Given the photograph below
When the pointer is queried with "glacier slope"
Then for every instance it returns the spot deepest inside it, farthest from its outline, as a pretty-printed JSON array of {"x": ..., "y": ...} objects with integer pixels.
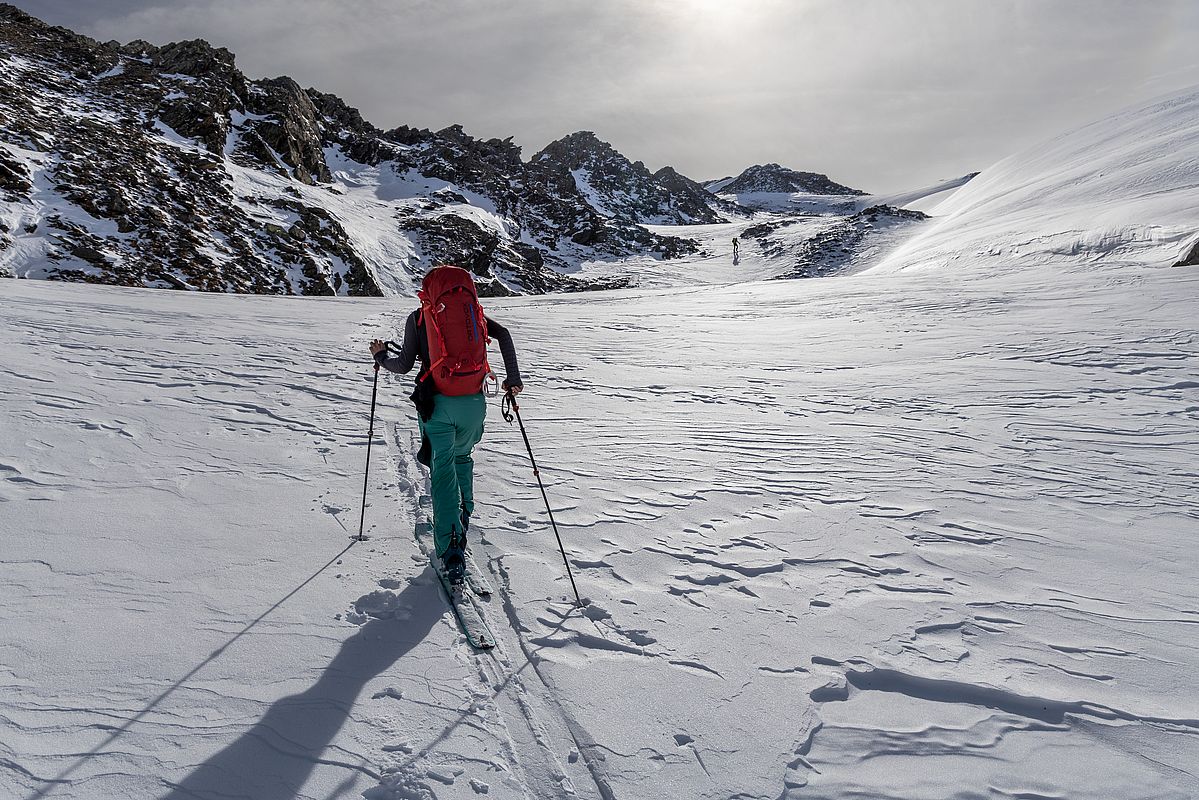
[{"x": 1124, "y": 188}]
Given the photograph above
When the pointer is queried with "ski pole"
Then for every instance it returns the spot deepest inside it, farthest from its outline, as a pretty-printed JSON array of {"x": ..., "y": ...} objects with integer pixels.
[
  {"x": 510, "y": 403},
  {"x": 370, "y": 437}
]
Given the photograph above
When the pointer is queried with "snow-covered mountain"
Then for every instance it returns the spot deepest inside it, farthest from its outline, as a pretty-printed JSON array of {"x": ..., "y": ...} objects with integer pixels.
[
  {"x": 774, "y": 188},
  {"x": 778, "y": 179},
  {"x": 626, "y": 190},
  {"x": 918, "y": 534},
  {"x": 165, "y": 166},
  {"x": 1122, "y": 189}
]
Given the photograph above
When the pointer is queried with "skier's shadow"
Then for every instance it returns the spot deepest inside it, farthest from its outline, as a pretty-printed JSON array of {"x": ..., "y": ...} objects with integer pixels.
[{"x": 274, "y": 758}]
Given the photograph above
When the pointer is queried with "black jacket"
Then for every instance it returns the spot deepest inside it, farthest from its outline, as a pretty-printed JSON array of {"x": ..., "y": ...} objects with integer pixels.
[{"x": 416, "y": 346}]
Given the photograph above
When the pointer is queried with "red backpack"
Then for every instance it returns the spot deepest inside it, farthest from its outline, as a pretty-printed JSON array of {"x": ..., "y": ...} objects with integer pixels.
[{"x": 456, "y": 330}]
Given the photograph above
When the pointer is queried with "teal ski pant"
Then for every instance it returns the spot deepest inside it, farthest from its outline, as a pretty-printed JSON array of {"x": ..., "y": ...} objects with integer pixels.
[{"x": 453, "y": 430}]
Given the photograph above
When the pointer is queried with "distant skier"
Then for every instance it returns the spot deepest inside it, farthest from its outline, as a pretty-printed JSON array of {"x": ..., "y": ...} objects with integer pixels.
[
  {"x": 736, "y": 248},
  {"x": 449, "y": 334}
]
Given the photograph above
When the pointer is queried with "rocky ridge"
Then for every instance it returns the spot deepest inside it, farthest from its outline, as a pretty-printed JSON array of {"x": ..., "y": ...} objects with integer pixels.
[
  {"x": 165, "y": 166},
  {"x": 774, "y": 178},
  {"x": 626, "y": 190}
]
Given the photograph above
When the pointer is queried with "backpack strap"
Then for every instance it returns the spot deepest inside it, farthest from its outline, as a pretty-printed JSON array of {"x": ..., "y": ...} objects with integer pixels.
[
  {"x": 421, "y": 318},
  {"x": 432, "y": 321},
  {"x": 482, "y": 318}
]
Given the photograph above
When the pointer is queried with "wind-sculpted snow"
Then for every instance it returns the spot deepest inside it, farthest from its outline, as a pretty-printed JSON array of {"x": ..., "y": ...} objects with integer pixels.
[
  {"x": 964, "y": 506},
  {"x": 1123, "y": 188},
  {"x": 885, "y": 537},
  {"x": 922, "y": 199}
]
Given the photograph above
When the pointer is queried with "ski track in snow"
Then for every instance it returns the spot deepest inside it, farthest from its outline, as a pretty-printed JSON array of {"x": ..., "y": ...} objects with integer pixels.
[
  {"x": 887, "y": 537},
  {"x": 508, "y": 696}
]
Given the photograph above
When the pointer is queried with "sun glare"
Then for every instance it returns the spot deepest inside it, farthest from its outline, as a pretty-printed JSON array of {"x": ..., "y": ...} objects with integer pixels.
[{"x": 712, "y": 15}]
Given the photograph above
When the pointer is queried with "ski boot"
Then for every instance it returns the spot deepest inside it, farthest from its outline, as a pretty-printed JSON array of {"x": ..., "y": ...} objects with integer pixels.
[{"x": 453, "y": 561}]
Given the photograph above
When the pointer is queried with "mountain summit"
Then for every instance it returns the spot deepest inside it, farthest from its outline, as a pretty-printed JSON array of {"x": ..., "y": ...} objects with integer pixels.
[
  {"x": 626, "y": 190},
  {"x": 776, "y": 178}
]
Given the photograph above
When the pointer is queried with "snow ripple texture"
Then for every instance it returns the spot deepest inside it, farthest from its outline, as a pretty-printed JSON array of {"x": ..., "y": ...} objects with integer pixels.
[{"x": 887, "y": 537}]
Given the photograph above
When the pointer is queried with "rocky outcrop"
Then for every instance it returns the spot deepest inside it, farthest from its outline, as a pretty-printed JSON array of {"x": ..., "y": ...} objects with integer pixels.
[
  {"x": 206, "y": 84},
  {"x": 15, "y": 180},
  {"x": 858, "y": 240},
  {"x": 289, "y": 127},
  {"x": 693, "y": 200}
]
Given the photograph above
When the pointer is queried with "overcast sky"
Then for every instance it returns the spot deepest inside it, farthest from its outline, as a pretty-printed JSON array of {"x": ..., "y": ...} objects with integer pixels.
[{"x": 880, "y": 94}]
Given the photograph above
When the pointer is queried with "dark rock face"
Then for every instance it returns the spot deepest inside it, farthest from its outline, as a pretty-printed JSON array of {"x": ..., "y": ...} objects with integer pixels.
[
  {"x": 290, "y": 127},
  {"x": 1191, "y": 259},
  {"x": 14, "y": 176},
  {"x": 625, "y": 190},
  {"x": 774, "y": 178},
  {"x": 208, "y": 88},
  {"x": 693, "y": 201},
  {"x": 183, "y": 173}
]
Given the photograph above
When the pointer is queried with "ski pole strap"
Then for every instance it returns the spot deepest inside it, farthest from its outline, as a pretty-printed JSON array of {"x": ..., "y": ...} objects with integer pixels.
[
  {"x": 508, "y": 406},
  {"x": 389, "y": 348},
  {"x": 511, "y": 410}
]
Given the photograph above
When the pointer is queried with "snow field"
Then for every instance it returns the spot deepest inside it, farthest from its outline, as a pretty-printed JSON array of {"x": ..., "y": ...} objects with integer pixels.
[
  {"x": 888, "y": 537},
  {"x": 161, "y": 505},
  {"x": 888, "y": 545}
]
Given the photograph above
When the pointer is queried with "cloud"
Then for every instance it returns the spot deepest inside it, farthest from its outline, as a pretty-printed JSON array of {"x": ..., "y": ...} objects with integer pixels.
[{"x": 878, "y": 94}]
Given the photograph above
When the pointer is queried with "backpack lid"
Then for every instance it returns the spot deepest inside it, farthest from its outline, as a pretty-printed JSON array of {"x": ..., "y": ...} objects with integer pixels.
[{"x": 444, "y": 278}]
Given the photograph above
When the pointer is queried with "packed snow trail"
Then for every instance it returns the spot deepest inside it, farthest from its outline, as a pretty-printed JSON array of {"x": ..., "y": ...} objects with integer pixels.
[
  {"x": 900, "y": 537},
  {"x": 542, "y": 750},
  {"x": 177, "y": 478}
]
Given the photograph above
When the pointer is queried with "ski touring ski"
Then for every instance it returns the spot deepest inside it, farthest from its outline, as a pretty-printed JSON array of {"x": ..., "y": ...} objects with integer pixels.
[
  {"x": 461, "y": 596},
  {"x": 474, "y": 578}
]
